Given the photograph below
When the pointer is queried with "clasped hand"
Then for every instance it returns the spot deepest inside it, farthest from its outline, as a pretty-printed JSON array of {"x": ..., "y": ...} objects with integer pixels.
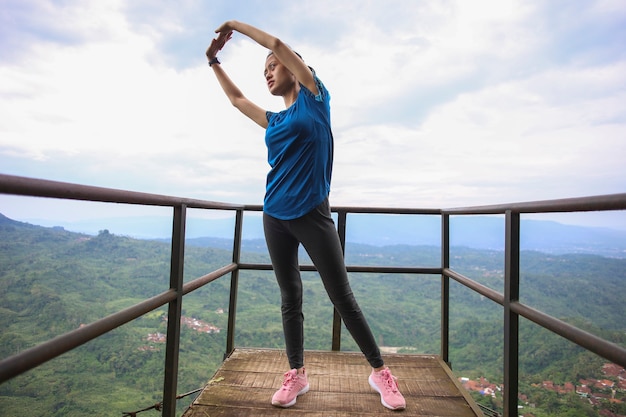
[{"x": 218, "y": 43}]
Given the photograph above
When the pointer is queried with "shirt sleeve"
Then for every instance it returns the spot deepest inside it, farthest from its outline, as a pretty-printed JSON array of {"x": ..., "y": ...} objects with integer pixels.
[{"x": 322, "y": 91}]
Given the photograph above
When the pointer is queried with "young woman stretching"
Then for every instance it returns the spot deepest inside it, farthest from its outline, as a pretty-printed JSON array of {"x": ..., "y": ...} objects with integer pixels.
[{"x": 296, "y": 209}]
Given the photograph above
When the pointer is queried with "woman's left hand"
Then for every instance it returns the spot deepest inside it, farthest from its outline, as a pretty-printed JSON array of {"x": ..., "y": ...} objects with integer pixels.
[{"x": 227, "y": 26}]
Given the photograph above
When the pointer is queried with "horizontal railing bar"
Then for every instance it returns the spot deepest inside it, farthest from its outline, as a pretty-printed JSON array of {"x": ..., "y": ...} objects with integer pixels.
[
  {"x": 594, "y": 203},
  {"x": 597, "y": 203},
  {"x": 365, "y": 210},
  {"x": 10, "y": 184},
  {"x": 355, "y": 268},
  {"x": 17, "y": 185},
  {"x": 259, "y": 267},
  {"x": 31, "y": 358},
  {"x": 394, "y": 270},
  {"x": 477, "y": 287},
  {"x": 385, "y": 210},
  {"x": 252, "y": 207},
  {"x": 208, "y": 278},
  {"x": 591, "y": 342}
]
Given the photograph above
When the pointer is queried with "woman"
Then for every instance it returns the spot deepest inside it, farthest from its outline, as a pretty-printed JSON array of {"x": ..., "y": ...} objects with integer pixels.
[{"x": 296, "y": 209}]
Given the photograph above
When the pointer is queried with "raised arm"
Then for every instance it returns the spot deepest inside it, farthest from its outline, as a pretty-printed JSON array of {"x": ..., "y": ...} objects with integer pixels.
[
  {"x": 281, "y": 50},
  {"x": 234, "y": 94}
]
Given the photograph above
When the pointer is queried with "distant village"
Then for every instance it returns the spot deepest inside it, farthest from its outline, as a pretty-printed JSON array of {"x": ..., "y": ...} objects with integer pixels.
[
  {"x": 189, "y": 322},
  {"x": 597, "y": 392}
]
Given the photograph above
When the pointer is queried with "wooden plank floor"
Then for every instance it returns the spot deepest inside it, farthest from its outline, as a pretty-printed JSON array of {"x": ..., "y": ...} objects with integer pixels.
[{"x": 246, "y": 381}]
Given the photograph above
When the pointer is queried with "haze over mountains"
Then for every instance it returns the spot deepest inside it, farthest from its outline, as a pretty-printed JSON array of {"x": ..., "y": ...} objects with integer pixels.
[{"x": 479, "y": 232}]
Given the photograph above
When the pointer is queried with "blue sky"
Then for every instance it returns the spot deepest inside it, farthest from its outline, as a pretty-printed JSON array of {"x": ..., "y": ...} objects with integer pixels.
[{"x": 435, "y": 103}]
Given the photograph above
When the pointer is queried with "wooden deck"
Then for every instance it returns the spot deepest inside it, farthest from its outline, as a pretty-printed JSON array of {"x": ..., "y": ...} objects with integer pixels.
[{"x": 246, "y": 381}]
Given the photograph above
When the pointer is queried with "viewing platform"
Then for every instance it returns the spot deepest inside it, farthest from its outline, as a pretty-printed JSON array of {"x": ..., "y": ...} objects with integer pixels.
[
  {"x": 247, "y": 379},
  {"x": 245, "y": 382}
]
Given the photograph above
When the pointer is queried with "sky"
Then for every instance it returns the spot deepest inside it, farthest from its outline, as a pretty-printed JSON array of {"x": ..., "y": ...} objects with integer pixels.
[{"x": 435, "y": 104}]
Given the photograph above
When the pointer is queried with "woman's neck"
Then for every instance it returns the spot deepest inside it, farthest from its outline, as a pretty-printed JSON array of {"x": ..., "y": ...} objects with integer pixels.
[{"x": 291, "y": 96}]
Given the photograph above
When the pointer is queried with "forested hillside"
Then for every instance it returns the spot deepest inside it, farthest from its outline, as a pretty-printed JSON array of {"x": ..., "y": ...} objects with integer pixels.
[{"x": 52, "y": 281}]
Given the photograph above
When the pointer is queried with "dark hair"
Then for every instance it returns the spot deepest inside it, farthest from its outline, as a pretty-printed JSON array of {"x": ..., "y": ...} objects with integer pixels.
[
  {"x": 270, "y": 52},
  {"x": 295, "y": 52}
]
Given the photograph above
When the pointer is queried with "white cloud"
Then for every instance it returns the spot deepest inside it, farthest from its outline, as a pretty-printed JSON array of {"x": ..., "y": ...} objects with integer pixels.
[
  {"x": 107, "y": 103},
  {"x": 434, "y": 103}
]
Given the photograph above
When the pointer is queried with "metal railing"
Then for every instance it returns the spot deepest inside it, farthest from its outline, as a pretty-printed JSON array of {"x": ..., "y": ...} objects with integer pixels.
[{"x": 31, "y": 358}]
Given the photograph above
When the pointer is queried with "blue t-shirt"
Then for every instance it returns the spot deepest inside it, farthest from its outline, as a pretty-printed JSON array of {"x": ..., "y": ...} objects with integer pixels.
[{"x": 300, "y": 153}]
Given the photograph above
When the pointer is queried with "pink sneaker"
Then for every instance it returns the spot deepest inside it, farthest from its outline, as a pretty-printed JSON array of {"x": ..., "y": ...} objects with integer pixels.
[
  {"x": 293, "y": 385},
  {"x": 387, "y": 386}
]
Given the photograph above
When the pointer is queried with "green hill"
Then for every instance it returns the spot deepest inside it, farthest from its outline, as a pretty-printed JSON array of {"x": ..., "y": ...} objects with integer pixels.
[{"x": 52, "y": 281}]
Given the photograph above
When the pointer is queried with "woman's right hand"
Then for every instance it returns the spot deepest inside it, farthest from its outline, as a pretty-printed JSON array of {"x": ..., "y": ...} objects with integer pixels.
[{"x": 217, "y": 44}]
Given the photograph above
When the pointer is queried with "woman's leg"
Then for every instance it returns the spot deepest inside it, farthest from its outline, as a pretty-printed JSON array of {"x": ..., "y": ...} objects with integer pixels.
[
  {"x": 318, "y": 234},
  {"x": 283, "y": 250}
]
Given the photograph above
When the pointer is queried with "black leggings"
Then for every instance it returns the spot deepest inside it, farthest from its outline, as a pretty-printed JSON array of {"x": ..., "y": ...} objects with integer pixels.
[{"x": 316, "y": 231}]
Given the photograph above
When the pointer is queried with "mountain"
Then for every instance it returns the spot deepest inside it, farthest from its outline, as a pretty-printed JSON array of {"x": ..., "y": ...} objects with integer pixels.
[
  {"x": 479, "y": 232},
  {"x": 53, "y": 280}
]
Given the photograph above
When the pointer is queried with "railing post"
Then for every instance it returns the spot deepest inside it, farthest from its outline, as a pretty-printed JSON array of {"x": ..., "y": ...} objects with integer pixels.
[
  {"x": 445, "y": 288},
  {"x": 341, "y": 229},
  {"x": 174, "y": 312},
  {"x": 234, "y": 284},
  {"x": 511, "y": 319}
]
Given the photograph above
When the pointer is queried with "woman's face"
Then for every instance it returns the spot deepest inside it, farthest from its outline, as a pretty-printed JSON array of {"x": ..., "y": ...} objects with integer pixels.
[{"x": 278, "y": 78}]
